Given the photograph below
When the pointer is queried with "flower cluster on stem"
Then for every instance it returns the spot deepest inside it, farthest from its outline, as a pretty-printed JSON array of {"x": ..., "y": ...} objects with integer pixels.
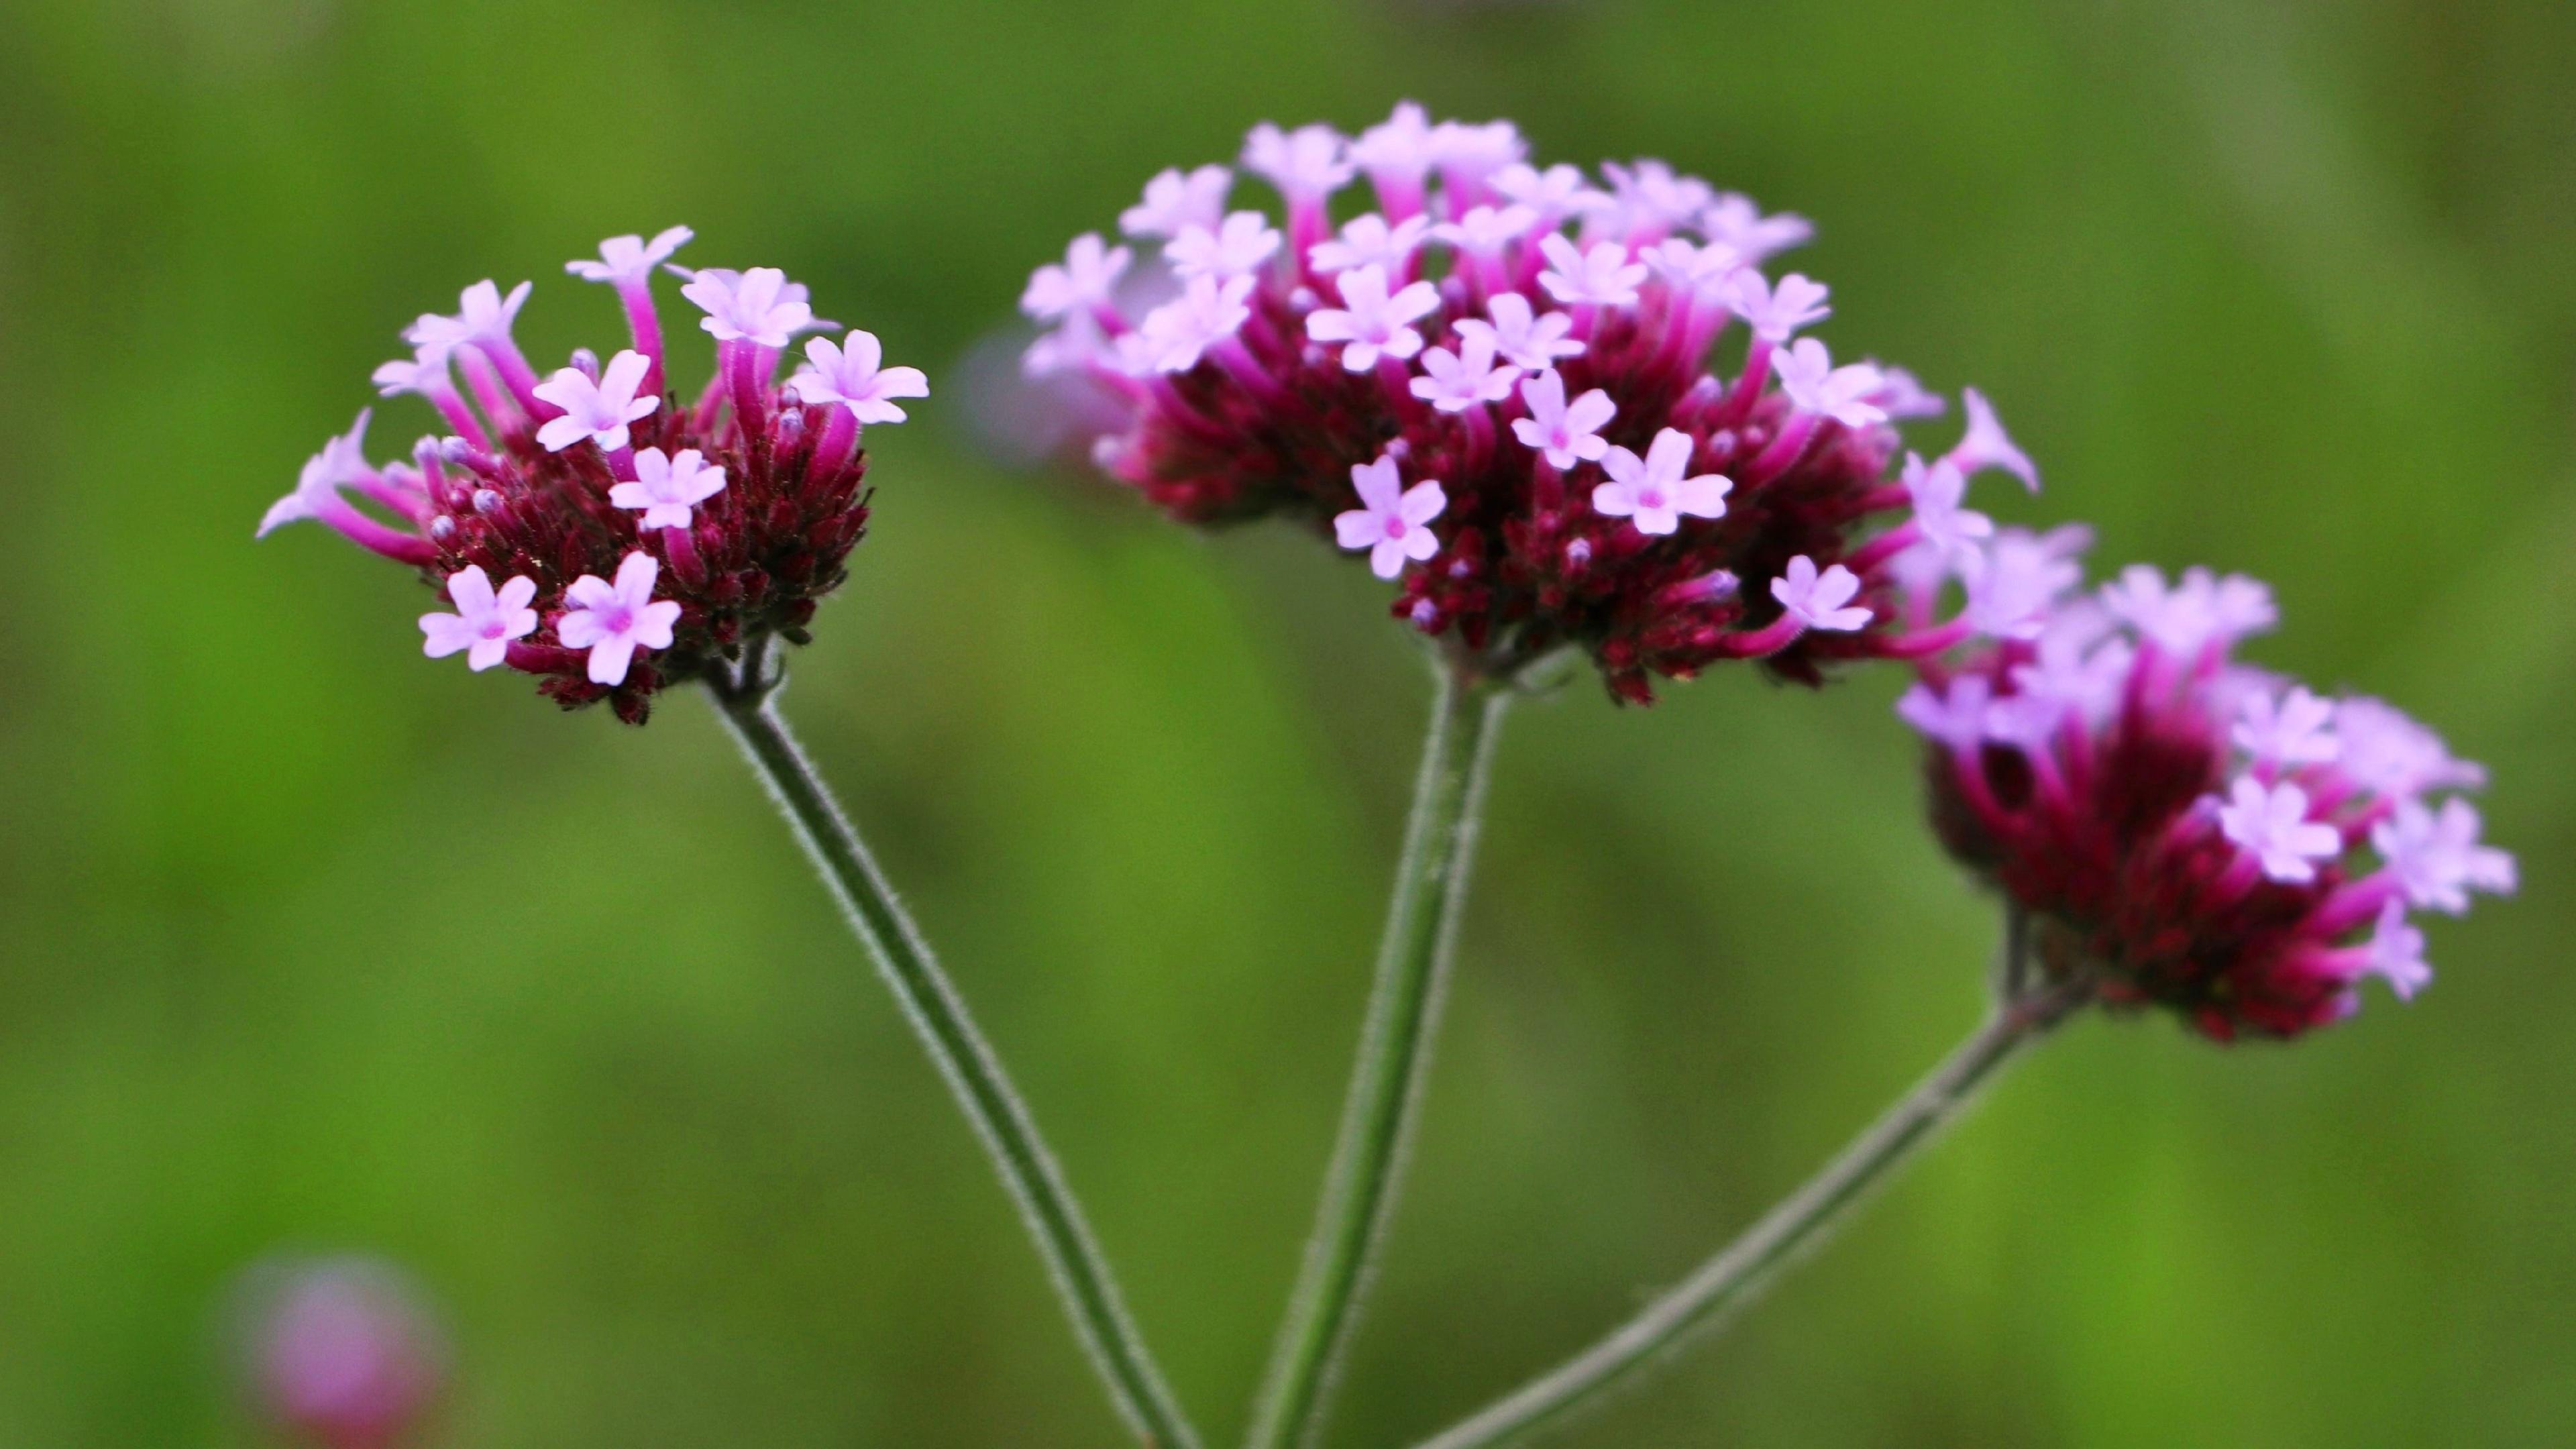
[
  {"x": 589, "y": 527},
  {"x": 1498, "y": 385},
  {"x": 2204, "y": 835}
]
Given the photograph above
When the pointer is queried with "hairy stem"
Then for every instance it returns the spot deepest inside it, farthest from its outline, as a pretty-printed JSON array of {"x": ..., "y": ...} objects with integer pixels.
[
  {"x": 1386, "y": 1085},
  {"x": 1732, "y": 1278},
  {"x": 938, "y": 1014}
]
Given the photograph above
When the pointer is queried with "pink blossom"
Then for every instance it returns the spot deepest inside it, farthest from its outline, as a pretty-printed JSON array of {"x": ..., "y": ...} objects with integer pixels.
[
  {"x": 1176, "y": 201},
  {"x": 1485, "y": 230},
  {"x": 2186, "y": 617},
  {"x": 1652, "y": 494},
  {"x": 1986, "y": 445},
  {"x": 2295, "y": 728},
  {"x": 759, "y": 306},
  {"x": 598, "y": 411},
  {"x": 1398, "y": 147},
  {"x": 1566, "y": 432},
  {"x": 1238, "y": 244},
  {"x": 1466, "y": 153},
  {"x": 1706, "y": 271},
  {"x": 1527, "y": 341},
  {"x": 2395, "y": 757},
  {"x": 1819, "y": 600},
  {"x": 2436, "y": 857},
  {"x": 1774, "y": 313},
  {"x": 613, "y": 621},
  {"x": 1371, "y": 322},
  {"x": 1558, "y": 192},
  {"x": 484, "y": 622},
  {"x": 1650, "y": 196},
  {"x": 1808, "y": 375},
  {"x": 1084, "y": 279},
  {"x": 1367, "y": 241},
  {"x": 484, "y": 315},
  {"x": 342, "y": 461},
  {"x": 2022, "y": 576},
  {"x": 2396, "y": 953},
  {"x": 1174, "y": 336},
  {"x": 1467, "y": 378},
  {"x": 2271, "y": 824},
  {"x": 666, "y": 488},
  {"x": 627, "y": 261},
  {"x": 1390, "y": 523},
  {"x": 1600, "y": 276},
  {"x": 1733, "y": 219},
  {"x": 1954, "y": 715},
  {"x": 849, "y": 375},
  {"x": 1938, "y": 491},
  {"x": 1307, "y": 164}
]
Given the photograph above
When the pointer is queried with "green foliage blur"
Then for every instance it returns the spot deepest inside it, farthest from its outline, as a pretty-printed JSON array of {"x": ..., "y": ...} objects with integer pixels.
[{"x": 309, "y": 944}]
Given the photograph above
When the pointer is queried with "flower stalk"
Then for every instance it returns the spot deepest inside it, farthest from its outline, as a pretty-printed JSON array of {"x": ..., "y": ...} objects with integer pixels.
[
  {"x": 1798, "y": 1223},
  {"x": 746, "y": 703},
  {"x": 1394, "y": 1056}
]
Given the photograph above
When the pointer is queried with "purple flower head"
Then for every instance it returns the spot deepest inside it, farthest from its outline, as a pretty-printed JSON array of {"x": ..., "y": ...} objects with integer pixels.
[
  {"x": 2186, "y": 831},
  {"x": 340, "y": 1352},
  {"x": 595, "y": 529},
  {"x": 1542, "y": 341}
]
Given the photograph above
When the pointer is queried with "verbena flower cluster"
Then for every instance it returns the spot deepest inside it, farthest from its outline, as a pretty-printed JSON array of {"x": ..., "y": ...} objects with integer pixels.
[
  {"x": 1497, "y": 386},
  {"x": 2209, "y": 836},
  {"x": 588, "y": 528}
]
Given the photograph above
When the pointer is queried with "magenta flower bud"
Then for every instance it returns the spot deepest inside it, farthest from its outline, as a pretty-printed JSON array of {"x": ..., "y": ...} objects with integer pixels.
[
  {"x": 2184, "y": 830},
  {"x": 592, "y": 529},
  {"x": 341, "y": 1354},
  {"x": 1497, "y": 387}
]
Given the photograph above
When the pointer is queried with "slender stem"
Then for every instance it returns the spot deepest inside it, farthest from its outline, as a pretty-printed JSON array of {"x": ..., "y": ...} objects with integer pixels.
[
  {"x": 1386, "y": 1085},
  {"x": 931, "y": 1003},
  {"x": 1733, "y": 1277}
]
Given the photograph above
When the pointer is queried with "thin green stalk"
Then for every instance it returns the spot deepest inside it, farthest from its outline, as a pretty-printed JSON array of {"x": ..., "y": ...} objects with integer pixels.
[
  {"x": 1386, "y": 1086},
  {"x": 1732, "y": 1278},
  {"x": 931, "y": 1003}
]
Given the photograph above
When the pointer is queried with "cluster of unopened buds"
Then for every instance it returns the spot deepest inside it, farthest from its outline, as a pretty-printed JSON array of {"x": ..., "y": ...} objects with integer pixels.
[
  {"x": 1497, "y": 385},
  {"x": 2201, "y": 833},
  {"x": 590, "y": 529}
]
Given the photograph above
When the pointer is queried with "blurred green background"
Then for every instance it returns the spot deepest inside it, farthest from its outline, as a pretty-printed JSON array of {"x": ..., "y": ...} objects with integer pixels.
[{"x": 307, "y": 943}]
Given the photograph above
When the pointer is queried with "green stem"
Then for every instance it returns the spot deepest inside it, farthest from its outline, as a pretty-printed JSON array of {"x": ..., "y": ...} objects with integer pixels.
[
  {"x": 938, "y": 1014},
  {"x": 1403, "y": 1014},
  {"x": 1732, "y": 1278}
]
